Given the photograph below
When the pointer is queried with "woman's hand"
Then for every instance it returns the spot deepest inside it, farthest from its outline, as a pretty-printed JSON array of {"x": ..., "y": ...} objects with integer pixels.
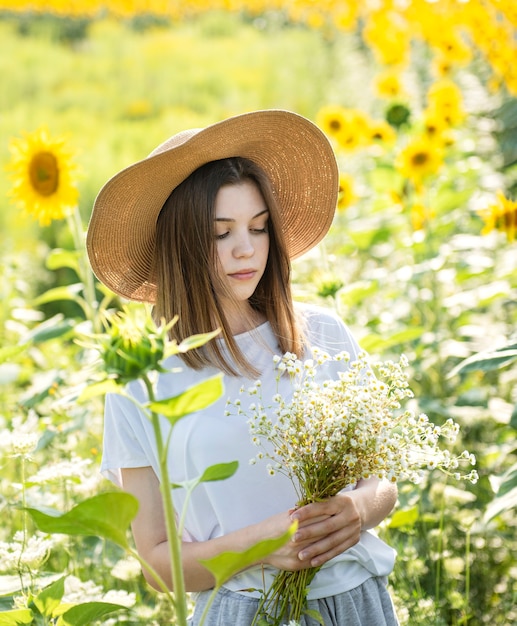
[
  {"x": 287, "y": 557},
  {"x": 331, "y": 527},
  {"x": 326, "y": 529}
]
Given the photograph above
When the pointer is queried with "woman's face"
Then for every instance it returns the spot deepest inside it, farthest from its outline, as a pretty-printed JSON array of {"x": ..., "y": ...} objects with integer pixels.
[{"x": 242, "y": 239}]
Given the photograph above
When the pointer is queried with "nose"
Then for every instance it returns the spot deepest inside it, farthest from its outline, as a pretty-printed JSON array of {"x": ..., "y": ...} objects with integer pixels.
[{"x": 243, "y": 246}]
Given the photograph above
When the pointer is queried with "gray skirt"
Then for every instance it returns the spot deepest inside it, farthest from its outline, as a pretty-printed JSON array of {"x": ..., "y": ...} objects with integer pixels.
[{"x": 368, "y": 604}]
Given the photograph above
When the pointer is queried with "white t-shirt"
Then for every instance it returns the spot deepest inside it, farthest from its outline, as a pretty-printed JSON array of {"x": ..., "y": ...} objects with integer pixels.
[{"x": 211, "y": 436}]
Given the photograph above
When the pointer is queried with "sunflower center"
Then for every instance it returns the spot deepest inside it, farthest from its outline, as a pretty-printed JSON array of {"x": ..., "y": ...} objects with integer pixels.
[
  {"x": 420, "y": 158},
  {"x": 44, "y": 173}
]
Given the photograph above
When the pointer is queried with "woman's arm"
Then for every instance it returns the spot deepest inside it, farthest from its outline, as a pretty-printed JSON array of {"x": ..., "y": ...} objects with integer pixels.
[
  {"x": 325, "y": 529},
  {"x": 149, "y": 532}
]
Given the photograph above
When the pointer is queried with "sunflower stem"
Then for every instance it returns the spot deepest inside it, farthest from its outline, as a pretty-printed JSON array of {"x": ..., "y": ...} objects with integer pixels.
[
  {"x": 85, "y": 273},
  {"x": 178, "y": 582}
]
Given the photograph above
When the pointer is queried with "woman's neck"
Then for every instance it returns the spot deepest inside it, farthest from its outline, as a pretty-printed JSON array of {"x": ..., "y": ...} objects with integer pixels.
[{"x": 242, "y": 319}]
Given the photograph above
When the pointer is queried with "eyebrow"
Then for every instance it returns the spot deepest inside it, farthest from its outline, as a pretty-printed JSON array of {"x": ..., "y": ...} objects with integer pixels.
[{"x": 231, "y": 219}]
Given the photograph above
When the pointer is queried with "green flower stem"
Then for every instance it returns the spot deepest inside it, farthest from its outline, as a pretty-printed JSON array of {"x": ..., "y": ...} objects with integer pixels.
[
  {"x": 439, "y": 562},
  {"x": 178, "y": 582},
  {"x": 86, "y": 276},
  {"x": 25, "y": 523},
  {"x": 286, "y": 599},
  {"x": 158, "y": 579}
]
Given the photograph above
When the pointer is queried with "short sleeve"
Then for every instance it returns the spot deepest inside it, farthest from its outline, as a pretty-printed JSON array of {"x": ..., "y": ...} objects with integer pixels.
[
  {"x": 327, "y": 331},
  {"x": 126, "y": 437}
]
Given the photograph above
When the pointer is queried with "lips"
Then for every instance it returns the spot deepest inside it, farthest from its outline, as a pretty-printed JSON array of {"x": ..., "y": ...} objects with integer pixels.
[{"x": 245, "y": 274}]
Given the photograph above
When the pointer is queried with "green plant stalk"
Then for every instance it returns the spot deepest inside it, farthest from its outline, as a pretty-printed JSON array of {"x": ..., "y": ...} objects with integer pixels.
[
  {"x": 178, "y": 582},
  {"x": 440, "y": 553},
  {"x": 86, "y": 276},
  {"x": 25, "y": 519},
  {"x": 467, "y": 578}
]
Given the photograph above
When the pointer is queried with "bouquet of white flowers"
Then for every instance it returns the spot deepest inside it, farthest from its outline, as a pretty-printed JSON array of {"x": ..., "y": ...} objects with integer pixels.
[{"x": 332, "y": 433}]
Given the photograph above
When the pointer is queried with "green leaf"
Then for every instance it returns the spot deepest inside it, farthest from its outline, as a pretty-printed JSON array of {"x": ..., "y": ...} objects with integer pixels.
[
  {"x": 376, "y": 343},
  {"x": 59, "y": 258},
  {"x": 49, "y": 599},
  {"x": 106, "y": 515},
  {"x": 508, "y": 482},
  {"x": 220, "y": 471},
  {"x": 486, "y": 361},
  {"x": 17, "y": 616},
  {"x": 227, "y": 564},
  {"x": 52, "y": 328},
  {"x": 87, "y": 613},
  {"x": 355, "y": 293},
  {"x": 67, "y": 292},
  {"x": 98, "y": 389},
  {"x": 501, "y": 504},
  {"x": 194, "y": 399},
  {"x": 196, "y": 341},
  {"x": 8, "y": 352},
  {"x": 316, "y": 615},
  {"x": 513, "y": 419},
  {"x": 404, "y": 518}
]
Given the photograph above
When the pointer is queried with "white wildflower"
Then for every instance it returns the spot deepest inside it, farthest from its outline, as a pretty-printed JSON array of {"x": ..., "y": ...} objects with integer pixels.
[
  {"x": 77, "y": 591},
  {"x": 126, "y": 569},
  {"x": 24, "y": 552},
  {"x": 71, "y": 469},
  {"x": 120, "y": 596}
]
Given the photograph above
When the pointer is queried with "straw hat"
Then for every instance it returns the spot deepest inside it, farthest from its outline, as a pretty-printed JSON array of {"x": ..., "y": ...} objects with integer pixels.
[{"x": 294, "y": 153}]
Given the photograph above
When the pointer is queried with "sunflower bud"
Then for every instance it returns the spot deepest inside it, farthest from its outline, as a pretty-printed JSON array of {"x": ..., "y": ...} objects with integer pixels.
[
  {"x": 398, "y": 115},
  {"x": 133, "y": 347}
]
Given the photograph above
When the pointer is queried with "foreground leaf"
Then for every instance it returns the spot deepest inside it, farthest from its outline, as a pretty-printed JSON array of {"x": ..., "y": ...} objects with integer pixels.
[
  {"x": 16, "y": 617},
  {"x": 49, "y": 599},
  {"x": 220, "y": 471},
  {"x": 196, "y": 341},
  {"x": 106, "y": 515},
  {"x": 226, "y": 565},
  {"x": 194, "y": 399},
  {"x": 87, "y": 613}
]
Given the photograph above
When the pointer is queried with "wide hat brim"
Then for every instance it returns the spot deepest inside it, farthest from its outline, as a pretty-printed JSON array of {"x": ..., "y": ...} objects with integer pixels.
[{"x": 293, "y": 151}]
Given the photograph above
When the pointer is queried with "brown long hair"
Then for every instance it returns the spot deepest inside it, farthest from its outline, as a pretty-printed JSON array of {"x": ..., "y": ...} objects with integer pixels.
[{"x": 185, "y": 257}]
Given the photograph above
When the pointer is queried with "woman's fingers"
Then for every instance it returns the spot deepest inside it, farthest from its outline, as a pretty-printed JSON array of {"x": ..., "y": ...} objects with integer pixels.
[{"x": 327, "y": 529}]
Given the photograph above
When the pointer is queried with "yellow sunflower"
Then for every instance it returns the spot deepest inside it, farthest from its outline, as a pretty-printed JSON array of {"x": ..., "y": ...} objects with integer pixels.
[
  {"x": 382, "y": 132},
  {"x": 501, "y": 215},
  {"x": 388, "y": 84},
  {"x": 420, "y": 214},
  {"x": 419, "y": 159},
  {"x": 42, "y": 171},
  {"x": 348, "y": 127},
  {"x": 332, "y": 119},
  {"x": 346, "y": 194},
  {"x": 437, "y": 129},
  {"x": 446, "y": 100},
  {"x": 453, "y": 48}
]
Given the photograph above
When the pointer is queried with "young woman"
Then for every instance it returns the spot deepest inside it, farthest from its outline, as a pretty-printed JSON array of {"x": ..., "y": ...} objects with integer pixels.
[{"x": 205, "y": 228}]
